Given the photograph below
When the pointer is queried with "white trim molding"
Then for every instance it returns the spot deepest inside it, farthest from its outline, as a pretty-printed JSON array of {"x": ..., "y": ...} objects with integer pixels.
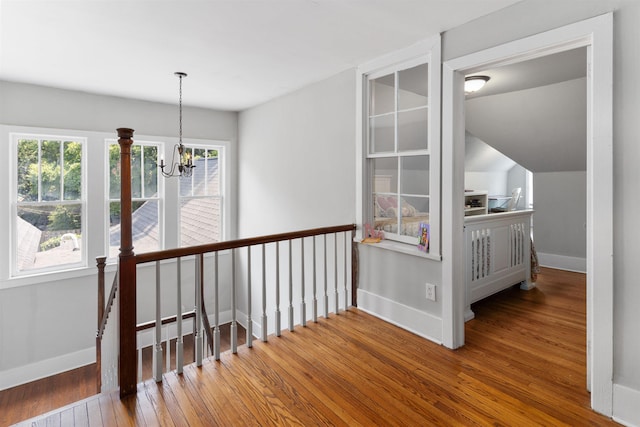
[
  {"x": 46, "y": 368},
  {"x": 562, "y": 262},
  {"x": 403, "y": 316},
  {"x": 626, "y": 402},
  {"x": 596, "y": 34}
]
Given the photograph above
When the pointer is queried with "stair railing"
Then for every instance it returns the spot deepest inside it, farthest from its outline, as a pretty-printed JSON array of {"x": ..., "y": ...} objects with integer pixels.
[
  {"x": 106, "y": 362},
  {"x": 331, "y": 298},
  {"x": 126, "y": 295}
]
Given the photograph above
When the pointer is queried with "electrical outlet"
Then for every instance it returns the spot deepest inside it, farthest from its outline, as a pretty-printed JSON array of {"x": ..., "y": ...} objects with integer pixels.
[{"x": 431, "y": 291}]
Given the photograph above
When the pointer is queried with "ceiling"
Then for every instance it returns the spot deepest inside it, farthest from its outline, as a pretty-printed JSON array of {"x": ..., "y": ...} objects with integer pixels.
[
  {"x": 543, "y": 71},
  {"x": 534, "y": 112},
  {"x": 237, "y": 53}
]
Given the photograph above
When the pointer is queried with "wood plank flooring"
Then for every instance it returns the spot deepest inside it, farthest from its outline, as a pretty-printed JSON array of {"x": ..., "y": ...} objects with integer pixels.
[
  {"x": 524, "y": 364},
  {"x": 44, "y": 395}
]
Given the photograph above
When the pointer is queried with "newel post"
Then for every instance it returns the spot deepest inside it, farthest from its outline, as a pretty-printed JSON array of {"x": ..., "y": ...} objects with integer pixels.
[{"x": 127, "y": 285}]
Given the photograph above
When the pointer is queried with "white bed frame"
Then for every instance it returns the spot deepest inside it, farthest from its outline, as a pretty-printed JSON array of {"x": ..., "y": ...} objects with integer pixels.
[{"x": 497, "y": 254}]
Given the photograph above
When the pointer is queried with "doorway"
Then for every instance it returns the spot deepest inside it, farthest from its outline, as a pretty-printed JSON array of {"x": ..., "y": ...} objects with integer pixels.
[{"x": 596, "y": 35}]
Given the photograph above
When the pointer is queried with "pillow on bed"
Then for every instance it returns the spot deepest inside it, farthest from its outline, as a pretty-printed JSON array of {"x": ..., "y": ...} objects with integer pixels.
[{"x": 387, "y": 206}]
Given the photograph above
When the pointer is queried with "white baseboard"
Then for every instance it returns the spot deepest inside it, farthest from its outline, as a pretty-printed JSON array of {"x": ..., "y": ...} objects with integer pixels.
[
  {"x": 626, "y": 402},
  {"x": 562, "y": 262},
  {"x": 45, "y": 368},
  {"x": 409, "y": 318}
]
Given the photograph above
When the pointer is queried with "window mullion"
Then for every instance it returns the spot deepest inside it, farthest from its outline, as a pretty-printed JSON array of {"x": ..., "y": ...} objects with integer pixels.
[
  {"x": 396, "y": 94},
  {"x": 61, "y": 154},
  {"x": 399, "y": 193},
  {"x": 395, "y": 112},
  {"x": 206, "y": 171},
  {"x": 142, "y": 192},
  {"x": 39, "y": 170}
]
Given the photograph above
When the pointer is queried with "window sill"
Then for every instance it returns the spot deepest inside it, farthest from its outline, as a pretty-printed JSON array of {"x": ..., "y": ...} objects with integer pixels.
[
  {"x": 52, "y": 276},
  {"x": 404, "y": 248}
]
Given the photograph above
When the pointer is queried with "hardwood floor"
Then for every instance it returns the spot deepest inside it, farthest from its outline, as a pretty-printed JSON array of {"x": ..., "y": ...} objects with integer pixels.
[
  {"x": 44, "y": 395},
  {"x": 524, "y": 364}
]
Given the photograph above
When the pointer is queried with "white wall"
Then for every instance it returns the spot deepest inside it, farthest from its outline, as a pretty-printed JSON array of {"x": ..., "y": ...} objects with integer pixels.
[
  {"x": 532, "y": 17},
  {"x": 542, "y": 128},
  {"x": 493, "y": 182},
  {"x": 485, "y": 168},
  {"x": 48, "y": 324},
  {"x": 517, "y": 178},
  {"x": 559, "y": 222},
  {"x": 296, "y": 160}
]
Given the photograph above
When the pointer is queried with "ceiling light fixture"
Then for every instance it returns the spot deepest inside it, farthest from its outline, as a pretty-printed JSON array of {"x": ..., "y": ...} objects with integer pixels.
[
  {"x": 474, "y": 83},
  {"x": 184, "y": 164}
]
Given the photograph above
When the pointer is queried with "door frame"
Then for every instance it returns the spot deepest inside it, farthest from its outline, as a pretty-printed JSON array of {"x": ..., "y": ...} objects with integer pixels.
[{"x": 596, "y": 34}]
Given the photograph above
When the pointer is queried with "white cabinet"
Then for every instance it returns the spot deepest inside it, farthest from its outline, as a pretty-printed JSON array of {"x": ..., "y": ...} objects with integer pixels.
[{"x": 476, "y": 203}]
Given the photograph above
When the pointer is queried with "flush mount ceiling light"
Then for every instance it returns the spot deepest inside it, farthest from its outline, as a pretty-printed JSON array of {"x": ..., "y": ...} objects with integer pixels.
[{"x": 474, "y": 83}]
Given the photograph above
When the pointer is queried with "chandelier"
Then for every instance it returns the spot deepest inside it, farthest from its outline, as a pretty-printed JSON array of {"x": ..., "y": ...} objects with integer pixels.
[{"x": 183, "y": 166}]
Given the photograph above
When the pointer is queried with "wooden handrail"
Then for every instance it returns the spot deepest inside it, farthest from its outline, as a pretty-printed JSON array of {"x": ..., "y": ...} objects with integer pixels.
[
  {"x": 165, "y": 321},
  {"x": 233, "y": 244},
  {"x": 104, "y": 316},
  {"x": 128, "y": 260}
]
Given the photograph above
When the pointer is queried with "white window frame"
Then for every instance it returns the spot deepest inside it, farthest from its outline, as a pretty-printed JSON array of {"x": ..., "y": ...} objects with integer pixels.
[
  {"x": 427, "y": 51},
  {"x": 159, "y": 198},
  {"x": 14, "y": 137},
  {"x": 95, "y": 185},
  {"x": 221, "y": 148}
]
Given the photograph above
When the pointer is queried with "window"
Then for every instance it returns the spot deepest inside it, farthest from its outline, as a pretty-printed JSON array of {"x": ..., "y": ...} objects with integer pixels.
[
  {"x": 145, "y": 198},
  {"x": 400, "y": 144},
  {"x": 48, "y": 221},
  {"x": 398, "y": 150},
  {"x": 63, "y": 199},
  {"x": 201, "y": 198}
]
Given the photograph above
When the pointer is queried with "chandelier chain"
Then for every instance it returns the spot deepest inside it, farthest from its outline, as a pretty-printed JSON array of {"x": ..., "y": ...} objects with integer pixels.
[
  {"x": 180, "y": 103},
  {"x": 183, "y": 167}
]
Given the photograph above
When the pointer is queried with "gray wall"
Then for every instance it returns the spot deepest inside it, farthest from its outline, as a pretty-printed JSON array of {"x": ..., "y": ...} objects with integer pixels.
[
  {"x": 517, "y": 177},
  {"x": 296, "y": 160},
  {"x": 47, "y": 321},
  {"x": 560, "y": 202},
  {"x": 40, "y": 106}
]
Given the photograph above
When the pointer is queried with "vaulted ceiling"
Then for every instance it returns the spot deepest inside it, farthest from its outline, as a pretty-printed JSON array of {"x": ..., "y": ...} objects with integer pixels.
[{"x": 535, "y": 112}]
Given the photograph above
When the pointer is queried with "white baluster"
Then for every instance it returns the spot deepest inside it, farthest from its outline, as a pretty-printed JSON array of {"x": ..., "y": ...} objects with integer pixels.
[
  {"x": 157, "y": 353},
  {"x": 264, "y": 297},
  {"x": 314, "y": 306},
  {"x": 290, "y": 288},
  {"x": 278, "y": 331},
  {"x": 346, "y": 251},
  {"x": 335, "y": 272},
  {"x": 303, "y": 304},
  {"x": 326, "y": 295},
  {"x": 234, "y": 326},
  {"x": 168, "y": 349},
  {"x": 249, "y": 338},
  {"x": 197, "y": 333},
  {"x": 179, "y": 341},
  {"x": 487, "y": 256},
  {"x": 139, "y": 363},
  {"x": 216, "y": 311}
]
